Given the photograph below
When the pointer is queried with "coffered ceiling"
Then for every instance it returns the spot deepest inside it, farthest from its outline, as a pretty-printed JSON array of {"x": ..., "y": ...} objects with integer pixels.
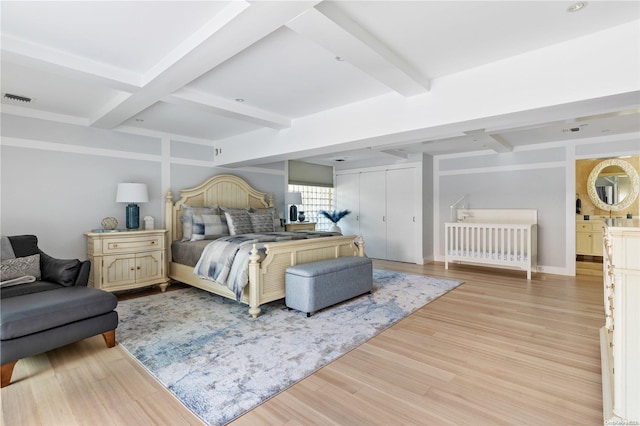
[{"x": 211, "y": 70}]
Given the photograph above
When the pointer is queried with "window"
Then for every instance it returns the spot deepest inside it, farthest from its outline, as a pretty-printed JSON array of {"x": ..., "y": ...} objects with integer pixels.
[{"x": 314, "y": 199}]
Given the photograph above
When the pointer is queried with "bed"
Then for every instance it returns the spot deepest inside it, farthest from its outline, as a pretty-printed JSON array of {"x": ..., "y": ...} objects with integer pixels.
[
  {"x": 503, "y": 238},
  {"x": 266, "y": 270}
]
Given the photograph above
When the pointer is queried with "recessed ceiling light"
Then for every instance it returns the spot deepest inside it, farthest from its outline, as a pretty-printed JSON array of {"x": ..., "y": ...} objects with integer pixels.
[
  {"x": 139, "y": 120},
  {"x": 239, "y": 100},
  {"x": 576, "y": 7},
  {"x": 340, "y": 159},
  {"x": 339, "y": 58}
]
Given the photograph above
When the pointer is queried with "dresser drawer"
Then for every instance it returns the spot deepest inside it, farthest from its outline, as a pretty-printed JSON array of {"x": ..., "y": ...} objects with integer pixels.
[
  {"x": 589, "y": 226},
  {"x": 131, "y": 245}
]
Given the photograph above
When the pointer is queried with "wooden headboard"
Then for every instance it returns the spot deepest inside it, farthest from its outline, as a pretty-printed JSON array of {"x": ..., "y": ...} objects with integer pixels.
[{"x": 223, "y": 190}]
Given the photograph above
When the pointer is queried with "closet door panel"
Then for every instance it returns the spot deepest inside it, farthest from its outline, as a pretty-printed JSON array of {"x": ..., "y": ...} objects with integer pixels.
[
  {"x": 348, "y": 197},
  {"x": 373, "y": 213},
  {"x": 401, "y": 215}
]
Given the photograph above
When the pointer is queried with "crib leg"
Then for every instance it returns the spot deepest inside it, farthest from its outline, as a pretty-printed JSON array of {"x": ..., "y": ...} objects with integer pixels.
[
  {"x": 529, "y": 274},
  {"x": 446, "y": 265}
]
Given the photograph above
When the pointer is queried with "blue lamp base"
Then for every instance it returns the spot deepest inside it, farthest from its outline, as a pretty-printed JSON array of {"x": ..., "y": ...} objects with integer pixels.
[{"x": 133, "y": 216}]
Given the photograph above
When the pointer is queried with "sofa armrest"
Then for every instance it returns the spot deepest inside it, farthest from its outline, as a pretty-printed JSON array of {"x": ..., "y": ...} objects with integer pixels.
[{"x": 83, "y": 274}]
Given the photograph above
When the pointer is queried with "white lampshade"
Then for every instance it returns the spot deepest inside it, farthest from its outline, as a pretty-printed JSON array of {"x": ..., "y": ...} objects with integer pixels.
[
  {"x": 132, "y": 193},
  {"x": 293, "y": 198}
]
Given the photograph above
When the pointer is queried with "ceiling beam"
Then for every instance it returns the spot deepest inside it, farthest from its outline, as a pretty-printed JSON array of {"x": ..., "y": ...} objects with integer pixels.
[
  {"x": 54, "y": 61},
  {"x": 228, "y": 33},
  {"x": 329, "y": 28},
  {"x": 231, "y": 109},
  {"x": 494, "y": 142}
]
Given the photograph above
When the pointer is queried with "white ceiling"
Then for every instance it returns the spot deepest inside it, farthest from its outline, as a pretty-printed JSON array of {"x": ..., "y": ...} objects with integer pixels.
[{"x": 180, "y": 68}]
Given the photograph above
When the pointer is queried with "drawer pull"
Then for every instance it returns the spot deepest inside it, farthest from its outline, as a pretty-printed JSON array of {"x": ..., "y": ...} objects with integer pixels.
[
  {"x": 138, "y": 268},
  {"x": 153, "y": 242},
  {"x": 115, "y": 246},
  {"x": 132, "y": 269}
]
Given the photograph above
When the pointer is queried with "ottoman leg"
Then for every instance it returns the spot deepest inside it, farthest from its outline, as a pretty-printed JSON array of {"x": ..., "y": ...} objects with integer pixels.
[
  {"x": 110, "y": 338},
  {"x": 7, "y": 371}
]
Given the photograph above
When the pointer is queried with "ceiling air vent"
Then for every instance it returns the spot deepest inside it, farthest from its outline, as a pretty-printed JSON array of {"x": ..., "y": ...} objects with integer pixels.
[{"x": 17, "y": 98}]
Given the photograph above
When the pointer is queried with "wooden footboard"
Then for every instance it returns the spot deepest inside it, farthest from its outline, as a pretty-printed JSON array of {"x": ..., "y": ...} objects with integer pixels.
[{"x": 267, "y": 278}]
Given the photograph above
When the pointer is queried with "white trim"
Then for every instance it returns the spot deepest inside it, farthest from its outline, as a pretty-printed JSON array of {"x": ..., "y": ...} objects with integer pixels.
[
  {"x": 77, "y": 149},
  {"x": 378, "y": 168},
  {"x": 510, "y": 168},
  {"x": 436, "y": 209},
  {"x": 570, "y": 209}
]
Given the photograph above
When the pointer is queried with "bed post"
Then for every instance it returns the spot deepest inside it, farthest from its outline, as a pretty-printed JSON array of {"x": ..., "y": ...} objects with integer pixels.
[
  {"x": 168, "y": 225},
  {"x": 360, "y": 243},
  {"x": 254, "y": 282}
]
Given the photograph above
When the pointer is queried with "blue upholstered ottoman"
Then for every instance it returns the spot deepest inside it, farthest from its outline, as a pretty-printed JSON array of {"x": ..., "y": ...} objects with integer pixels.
[{"x": 313, "y": 286}]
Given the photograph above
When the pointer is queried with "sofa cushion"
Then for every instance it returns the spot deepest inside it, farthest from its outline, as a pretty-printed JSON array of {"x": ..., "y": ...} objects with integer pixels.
[
  {"x": 60, "y": 271},
  {"x": 32, "y": 313},
  {"x": 24, "y": 245},
  {"x": 28, "y": 288}
]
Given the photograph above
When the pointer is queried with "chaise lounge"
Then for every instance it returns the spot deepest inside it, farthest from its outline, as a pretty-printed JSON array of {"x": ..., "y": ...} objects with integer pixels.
[{"x": 46, "y": 304}]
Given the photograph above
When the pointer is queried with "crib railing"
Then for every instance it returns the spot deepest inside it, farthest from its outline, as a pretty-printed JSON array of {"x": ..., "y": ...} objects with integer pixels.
[{"x": 495, "y": 244}]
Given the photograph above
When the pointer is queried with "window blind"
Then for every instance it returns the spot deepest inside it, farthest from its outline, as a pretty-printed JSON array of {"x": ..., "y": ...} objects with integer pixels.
[{"x": 301, "y": 173}]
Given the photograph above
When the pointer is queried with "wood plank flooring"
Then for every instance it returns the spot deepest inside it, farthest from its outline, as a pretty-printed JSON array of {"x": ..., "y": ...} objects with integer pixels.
[{"x": 496, "y": 350}]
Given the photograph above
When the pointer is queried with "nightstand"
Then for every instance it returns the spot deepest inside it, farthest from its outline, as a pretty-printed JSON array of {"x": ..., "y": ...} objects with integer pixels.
[
  {"x": 300, "y": 226},
  {"x": 127, "y": 259}
]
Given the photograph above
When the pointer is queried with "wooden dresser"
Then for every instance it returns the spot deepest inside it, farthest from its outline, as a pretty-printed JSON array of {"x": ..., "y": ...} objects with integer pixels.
[
  {"x": 620, "y": 337},
  {"x": 128, "y": 259}
]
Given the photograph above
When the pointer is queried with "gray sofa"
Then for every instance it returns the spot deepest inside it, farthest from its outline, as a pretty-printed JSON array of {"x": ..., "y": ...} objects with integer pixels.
[{"x": 56, "y": 309}]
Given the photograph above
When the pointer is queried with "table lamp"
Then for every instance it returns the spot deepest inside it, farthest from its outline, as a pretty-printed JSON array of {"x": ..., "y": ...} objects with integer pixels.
[
  {"x": 293, "y": 198},
  {"x": 132, "y": 193}
]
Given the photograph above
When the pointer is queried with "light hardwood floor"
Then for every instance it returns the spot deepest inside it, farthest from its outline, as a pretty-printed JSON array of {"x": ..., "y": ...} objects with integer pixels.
[{"x": 496, "y": 350}]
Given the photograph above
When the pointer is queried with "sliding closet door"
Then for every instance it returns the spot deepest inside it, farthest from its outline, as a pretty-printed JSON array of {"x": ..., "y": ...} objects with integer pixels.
[
  {"x": 373, "y": 213},
  {"x": 348, "y": 198},
  {"x": 401, "y": 215}
]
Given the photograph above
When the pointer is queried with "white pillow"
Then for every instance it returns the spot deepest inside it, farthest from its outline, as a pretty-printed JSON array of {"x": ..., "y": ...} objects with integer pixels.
[{"x": 19, "y": 267}]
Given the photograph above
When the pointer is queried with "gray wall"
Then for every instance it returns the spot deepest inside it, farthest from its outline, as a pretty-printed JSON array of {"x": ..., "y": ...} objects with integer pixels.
[{"x": 58, "y": 181}]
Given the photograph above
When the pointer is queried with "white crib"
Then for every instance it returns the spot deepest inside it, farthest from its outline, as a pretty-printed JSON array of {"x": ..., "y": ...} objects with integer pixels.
[{"x": 505, "y": 238}]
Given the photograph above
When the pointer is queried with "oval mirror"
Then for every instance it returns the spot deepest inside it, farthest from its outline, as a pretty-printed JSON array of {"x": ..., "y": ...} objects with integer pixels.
[{"x": 613, "y": 185}]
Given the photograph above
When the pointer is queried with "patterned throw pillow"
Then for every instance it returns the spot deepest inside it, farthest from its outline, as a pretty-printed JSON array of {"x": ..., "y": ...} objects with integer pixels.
[
  {"x": 274, "y": 213},
  {"x": 20, "y": 267},
  {"x": 208, "y": 227},
  {"x": 239, "y": 223},
  {"x": 261, "y": 222},
  {"x": 187, "y": 218}
]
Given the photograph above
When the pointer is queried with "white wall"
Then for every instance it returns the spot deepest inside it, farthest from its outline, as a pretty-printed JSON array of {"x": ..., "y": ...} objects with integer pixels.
[
  {"x": 58, "y": 181},
  {"x": 541, "y": 177}
]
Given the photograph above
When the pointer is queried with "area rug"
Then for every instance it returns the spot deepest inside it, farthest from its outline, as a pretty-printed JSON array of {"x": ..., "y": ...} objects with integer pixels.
[{"x": 220, "y": 363}]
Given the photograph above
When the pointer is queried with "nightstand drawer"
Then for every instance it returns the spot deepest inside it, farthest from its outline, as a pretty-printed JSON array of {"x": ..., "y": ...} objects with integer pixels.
[{"x": 131, "y": 245}]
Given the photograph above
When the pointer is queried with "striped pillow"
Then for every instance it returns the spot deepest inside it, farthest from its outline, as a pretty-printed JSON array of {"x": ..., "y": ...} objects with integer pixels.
[
  {"x": 187, "y": 218},
  {"x": 208, "y": 227},
  {"x": 261, "y": 222},
  {"x": 239, "y": 223},
  {"x": 276, "y": 217}
]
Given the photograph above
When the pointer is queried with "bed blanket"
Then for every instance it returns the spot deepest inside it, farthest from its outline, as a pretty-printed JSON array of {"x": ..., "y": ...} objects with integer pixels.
[{"x": 226, "y": 260}]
